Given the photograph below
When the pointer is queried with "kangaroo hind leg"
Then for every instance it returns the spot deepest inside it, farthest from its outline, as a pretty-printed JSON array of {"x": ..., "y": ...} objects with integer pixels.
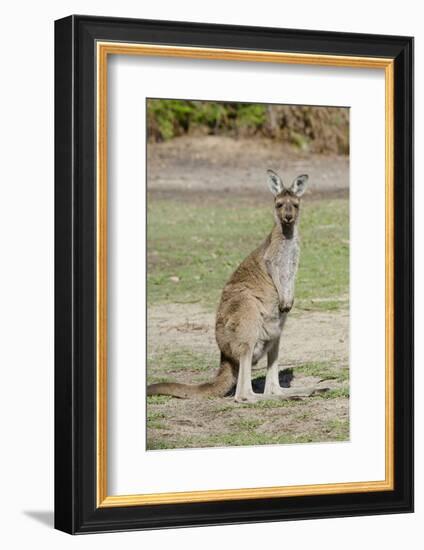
[
  {"x": 272, "y": 382},
  {"x": 273, "y": 390},
  {"x": 244, "y": 390}
]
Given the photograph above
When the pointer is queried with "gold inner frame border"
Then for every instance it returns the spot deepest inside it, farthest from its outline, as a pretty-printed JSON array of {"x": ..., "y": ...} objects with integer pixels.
[{"x": 103, "y": 50}]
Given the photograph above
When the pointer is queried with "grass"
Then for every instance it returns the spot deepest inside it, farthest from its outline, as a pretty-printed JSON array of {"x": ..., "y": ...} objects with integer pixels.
[
  {"x": 182, "y": 359},
  {"x": 163, "y": 364},
  {"x": 226, "y": 423},
  {"x": 334, "y": 431},
  {"x": 247, "y": 425},
  {"x": 235, "y": 439},
  {"x": 323, "y": 370},
  {"x": 194, "y": 248},
  {"x": 250, "y": 431},
  {"x": 273, "y": 404},
  {"x": 158, "y": 399},
  {"x": 339, "y": 429}
]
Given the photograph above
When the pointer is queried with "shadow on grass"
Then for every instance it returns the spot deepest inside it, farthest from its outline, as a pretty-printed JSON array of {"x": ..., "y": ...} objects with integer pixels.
[{"x": 258, "y": 384}]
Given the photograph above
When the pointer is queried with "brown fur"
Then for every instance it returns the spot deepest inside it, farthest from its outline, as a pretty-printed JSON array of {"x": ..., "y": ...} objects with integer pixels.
[{"x": 253, "y": 307}]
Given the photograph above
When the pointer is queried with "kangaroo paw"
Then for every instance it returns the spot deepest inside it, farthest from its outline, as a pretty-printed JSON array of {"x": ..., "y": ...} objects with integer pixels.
[
  {"x": 248, "y": 398},
  {"x": 294, "y": 393}
]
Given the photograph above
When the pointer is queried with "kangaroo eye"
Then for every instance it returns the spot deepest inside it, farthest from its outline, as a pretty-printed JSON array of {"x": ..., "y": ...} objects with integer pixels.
[
  {"x": 296, "y": 205},
  {"x": 279, "y": 205}
]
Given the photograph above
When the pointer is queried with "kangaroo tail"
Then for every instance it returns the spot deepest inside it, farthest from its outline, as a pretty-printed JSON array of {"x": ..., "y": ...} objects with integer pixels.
[{"x": 219, "y": 387}]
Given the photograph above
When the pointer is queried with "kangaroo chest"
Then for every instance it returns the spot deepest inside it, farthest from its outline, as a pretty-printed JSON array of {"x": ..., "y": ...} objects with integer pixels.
[
  {"x": 282, "y": 266},
  {"x": 285, "y": 262}
]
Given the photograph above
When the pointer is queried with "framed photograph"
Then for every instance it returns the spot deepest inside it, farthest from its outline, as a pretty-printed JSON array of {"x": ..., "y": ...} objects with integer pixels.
[{"x": 234, "y": 274}]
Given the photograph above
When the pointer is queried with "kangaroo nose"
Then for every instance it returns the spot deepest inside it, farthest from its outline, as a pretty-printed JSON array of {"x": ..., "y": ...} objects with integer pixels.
[{"x": 288, "y": 217}]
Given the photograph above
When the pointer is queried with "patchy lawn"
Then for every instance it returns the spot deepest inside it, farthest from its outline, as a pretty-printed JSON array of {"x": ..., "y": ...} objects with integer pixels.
[
  {"x": 193, "y": 249},
  {"x": 208, "y": 208},
  {"x": 217, "y": 422}
]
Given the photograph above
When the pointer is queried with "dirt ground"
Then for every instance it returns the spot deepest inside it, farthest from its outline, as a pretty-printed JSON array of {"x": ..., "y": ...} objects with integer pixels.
[
  {"x": 181, "y": 340},
  {"x": 314, "y": 336},
  {"x": 222, "y": 164}
]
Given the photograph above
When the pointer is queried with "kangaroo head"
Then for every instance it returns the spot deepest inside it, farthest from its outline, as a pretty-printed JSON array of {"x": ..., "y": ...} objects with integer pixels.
[{"x": 286, "y": 199}]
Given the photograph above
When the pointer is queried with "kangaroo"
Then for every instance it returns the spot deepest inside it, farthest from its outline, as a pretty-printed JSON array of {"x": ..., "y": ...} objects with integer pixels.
[{"x": 253, "y": 309}]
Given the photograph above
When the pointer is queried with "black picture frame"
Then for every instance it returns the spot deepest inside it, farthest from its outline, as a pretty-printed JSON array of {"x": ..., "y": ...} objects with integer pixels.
[{"x": 76, "y": 508}]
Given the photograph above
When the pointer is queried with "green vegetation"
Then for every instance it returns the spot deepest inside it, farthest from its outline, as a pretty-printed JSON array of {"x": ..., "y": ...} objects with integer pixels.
[
  {"x": 338, "y": 392},
  {"x": 334, "y": 431},
  {"x": 172, "y": 361},
  {"x": 231, "y": 440},
  {"x": 324, "y": 371},
  {"x": 339, "y": 429},
  {"x": 156, "y": 419},
  {"x": 226, "y": 423},
  {"x": 319, "y": 129},
  {"x": 259, "y": 425},
  {"x": 158, "y": 399},
  {"x": 169, "y": 118},
  {"x": 201, "y": 365},
  {"x": 194, "y": 248}
]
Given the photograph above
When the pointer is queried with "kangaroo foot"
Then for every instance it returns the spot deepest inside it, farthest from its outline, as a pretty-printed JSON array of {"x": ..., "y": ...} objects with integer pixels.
[
  {"x": 294, "y": 393},
  {"x": 277, "y": 392},
  {"x": 249, "y": 397}
]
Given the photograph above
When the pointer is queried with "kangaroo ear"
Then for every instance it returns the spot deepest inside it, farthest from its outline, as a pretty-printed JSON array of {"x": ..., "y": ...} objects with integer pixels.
[
  {"x": 298, "y": 186},
  {"x": 274, "y": 182}
]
